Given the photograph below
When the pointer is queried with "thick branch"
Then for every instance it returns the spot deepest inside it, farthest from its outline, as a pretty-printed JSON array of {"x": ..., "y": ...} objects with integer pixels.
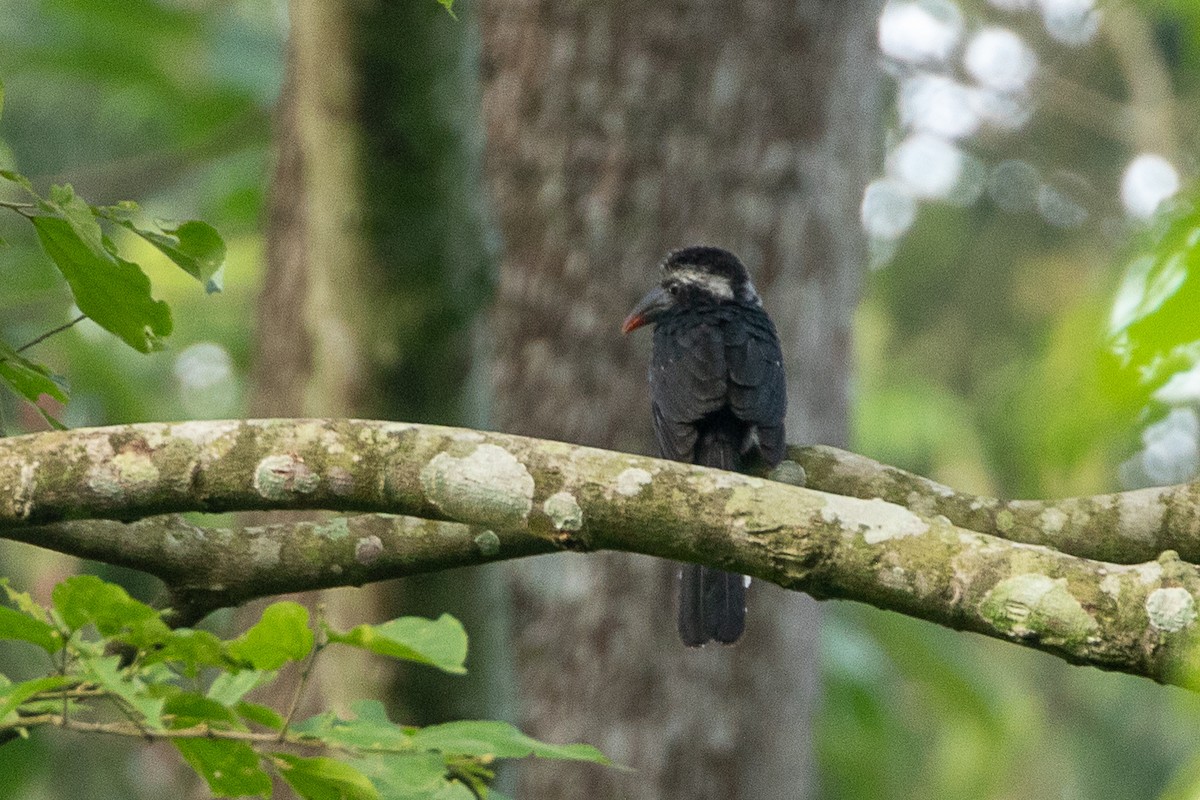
[
  {"x": 209, "y": 568},
  {"x": 1126, "y": 527},
  {"x": 534, "y": 496}
]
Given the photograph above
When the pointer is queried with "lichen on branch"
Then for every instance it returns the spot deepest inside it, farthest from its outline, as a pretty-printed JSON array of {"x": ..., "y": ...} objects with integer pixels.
[
  {"x": 487, "y": 496},
  {"x": 1125, "y": 527}
]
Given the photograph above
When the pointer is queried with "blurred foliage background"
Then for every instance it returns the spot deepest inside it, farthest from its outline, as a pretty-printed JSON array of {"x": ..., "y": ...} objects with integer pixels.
[{"x": 1028, "y": 329}]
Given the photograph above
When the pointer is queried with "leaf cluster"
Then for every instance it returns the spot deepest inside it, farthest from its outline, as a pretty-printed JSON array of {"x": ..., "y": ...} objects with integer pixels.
[
  {"x": 116, "y": 667},
  {"x": 111, "y": 290}
]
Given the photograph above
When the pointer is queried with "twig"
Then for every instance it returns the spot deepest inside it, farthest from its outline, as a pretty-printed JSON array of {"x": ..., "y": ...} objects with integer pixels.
[
  {"x": 199, "y": 731},
  {"x": 308, "y": 665},
  {"x": 23, "y": 209},
  {"x": 48, "y": 334}
]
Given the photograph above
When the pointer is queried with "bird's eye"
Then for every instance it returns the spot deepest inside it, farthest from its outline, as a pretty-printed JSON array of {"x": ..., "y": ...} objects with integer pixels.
[{"x": 673, "y": 289}]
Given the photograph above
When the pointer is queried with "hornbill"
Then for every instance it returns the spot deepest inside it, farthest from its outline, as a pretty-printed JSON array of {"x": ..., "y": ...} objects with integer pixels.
[{"x": 718, "y": 396}]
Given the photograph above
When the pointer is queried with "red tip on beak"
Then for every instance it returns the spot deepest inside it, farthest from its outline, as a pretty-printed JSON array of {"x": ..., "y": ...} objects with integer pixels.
[{"x": 648, "y": 309}]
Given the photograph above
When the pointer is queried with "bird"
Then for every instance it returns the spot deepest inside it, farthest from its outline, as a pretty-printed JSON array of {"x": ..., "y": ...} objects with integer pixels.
[{"x": 717, "y": 398}]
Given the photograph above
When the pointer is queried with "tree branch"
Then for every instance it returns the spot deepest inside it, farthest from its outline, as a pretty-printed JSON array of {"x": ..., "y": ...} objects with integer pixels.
[
  {"x": 1126, "y": 527},
  {"x": 525, "y": 496},
  {"x": 201, "y": 731},
  {"x": 206, "y": 568}
]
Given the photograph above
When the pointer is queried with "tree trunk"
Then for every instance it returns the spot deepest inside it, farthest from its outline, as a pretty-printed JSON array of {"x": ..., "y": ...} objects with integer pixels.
[
  {"x": 377, "y": 268},
  {"x": 617, "y": 131}
]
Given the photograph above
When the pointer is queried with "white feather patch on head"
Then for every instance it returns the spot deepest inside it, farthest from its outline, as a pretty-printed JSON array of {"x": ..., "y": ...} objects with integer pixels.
[{"x": 716, "y": 285}]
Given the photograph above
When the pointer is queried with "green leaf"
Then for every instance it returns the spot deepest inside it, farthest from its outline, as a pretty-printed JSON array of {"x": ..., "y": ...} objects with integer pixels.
[
  {"x": 440, "y": 643},
  {"x": 31, "y": 381},
  {"x": 260, "y": 715},
  {"x": 281, "y": 635},
  {"x": 371, "y": 729},
  {"x": 449, "y": 6},
  {"x": 190, "y": 650},
  {"x": 83, "y": 599},
  {"x": 453, "y": 790},
  {"x": 324, "y": 778},
  {"x": 1152, "y": 325},
  {"x": 229, "y": 688},
  {"x": 115, "y": 293},
  {"x": 13, "y": 695},
  {"x": 107, "y": 673},
  {"x": 489, "y": 738},
  {"x": 231, "y": 769},
  {"x": 1, "y": 98},
  {"x": 193, "y": 708},
  {"x": 24, "y": 602},
  {"x": 28, "y": 379},
  {"x": 78, "y": 214},
  {"x": 406, "y": 776},
  {"x": 22, "y": 627},
  {"x": 17, "y": 178},
  {"x": 193, "y": 245},
  {"x": 196, "y": 247}
]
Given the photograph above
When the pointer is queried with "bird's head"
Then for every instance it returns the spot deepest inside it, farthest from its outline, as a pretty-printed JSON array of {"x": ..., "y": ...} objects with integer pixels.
[{"x": 694, "y": 277}]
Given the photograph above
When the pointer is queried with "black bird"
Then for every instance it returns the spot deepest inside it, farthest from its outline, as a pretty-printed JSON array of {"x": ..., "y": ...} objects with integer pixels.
[{"x": 718, "y": 396}]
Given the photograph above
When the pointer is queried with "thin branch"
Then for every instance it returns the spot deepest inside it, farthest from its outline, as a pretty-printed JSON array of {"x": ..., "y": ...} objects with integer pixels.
[
  {"x": 304, "y": 676},
  {"x": 200, "y": 731},
  {"x": 210, "y": 568},
  {"x": 81, "y": 692},
  {"x": 24, "y": 209},
  {"x": 49, "y": 333}
]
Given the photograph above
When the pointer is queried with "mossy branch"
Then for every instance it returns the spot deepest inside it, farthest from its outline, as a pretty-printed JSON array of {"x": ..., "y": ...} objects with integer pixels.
[
  {"x": 1124, "y": 527},
  {"x": 514, "y": 496}
]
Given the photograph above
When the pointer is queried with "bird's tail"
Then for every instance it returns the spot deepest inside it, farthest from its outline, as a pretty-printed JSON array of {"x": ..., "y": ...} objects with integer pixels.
[{"x": 712, "y": 603}]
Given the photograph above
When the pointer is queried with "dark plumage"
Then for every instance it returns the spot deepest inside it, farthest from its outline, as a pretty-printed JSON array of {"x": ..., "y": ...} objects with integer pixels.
[{"x": 718, "y": 397}]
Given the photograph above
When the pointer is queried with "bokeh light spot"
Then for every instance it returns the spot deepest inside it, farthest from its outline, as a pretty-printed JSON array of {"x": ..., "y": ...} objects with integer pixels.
[
  {"x": 999, "y": 59},
  {"x": 920, "y": 31},
  {"x": 1148, "y": 181},
  {"x": 888, "y": 209}
]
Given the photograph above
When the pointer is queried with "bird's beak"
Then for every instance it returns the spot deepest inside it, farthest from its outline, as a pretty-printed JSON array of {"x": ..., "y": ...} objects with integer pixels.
[{"x": 648, "y": 310}]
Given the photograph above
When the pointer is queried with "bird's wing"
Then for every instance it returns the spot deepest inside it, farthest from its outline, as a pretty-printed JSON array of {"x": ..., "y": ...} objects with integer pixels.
[
  {"x": 688, "y": 381},
  {"x": 757, "y": 386},
  {"x": 676, "y": 440}
]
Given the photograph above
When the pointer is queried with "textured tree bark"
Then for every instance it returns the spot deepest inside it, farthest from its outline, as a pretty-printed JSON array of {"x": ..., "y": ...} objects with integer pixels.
[
  {"x": 377, "y": 269},
  {"x": 616, "y": 131},
  {"x": 309, "y": 359},
  {"x": 310, "y": 356},
  {"x": 514, "y": 497}
]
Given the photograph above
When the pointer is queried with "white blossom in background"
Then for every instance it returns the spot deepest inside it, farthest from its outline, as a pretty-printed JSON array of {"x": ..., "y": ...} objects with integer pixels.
[
  {"x": 888, "y": 209},
  {"x": 1170, "y": 451},
  {"x": 938, "y": 105},
  {"x": 1072, "y": 22},
  {"x": 207, "y": 384},
  {"x": 1182, "y": 387},
  {"x": 920, "y": 31},
  {"x": 930, "y": 166},
  {"x": 999, "y": 59},
  {"x": 1148, "y": 181},
  {"x": 203, "y": 365}
]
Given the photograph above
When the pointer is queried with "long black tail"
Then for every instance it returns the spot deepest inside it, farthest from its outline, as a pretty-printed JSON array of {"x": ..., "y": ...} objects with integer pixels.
[{"x": 712, "y": 603}]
